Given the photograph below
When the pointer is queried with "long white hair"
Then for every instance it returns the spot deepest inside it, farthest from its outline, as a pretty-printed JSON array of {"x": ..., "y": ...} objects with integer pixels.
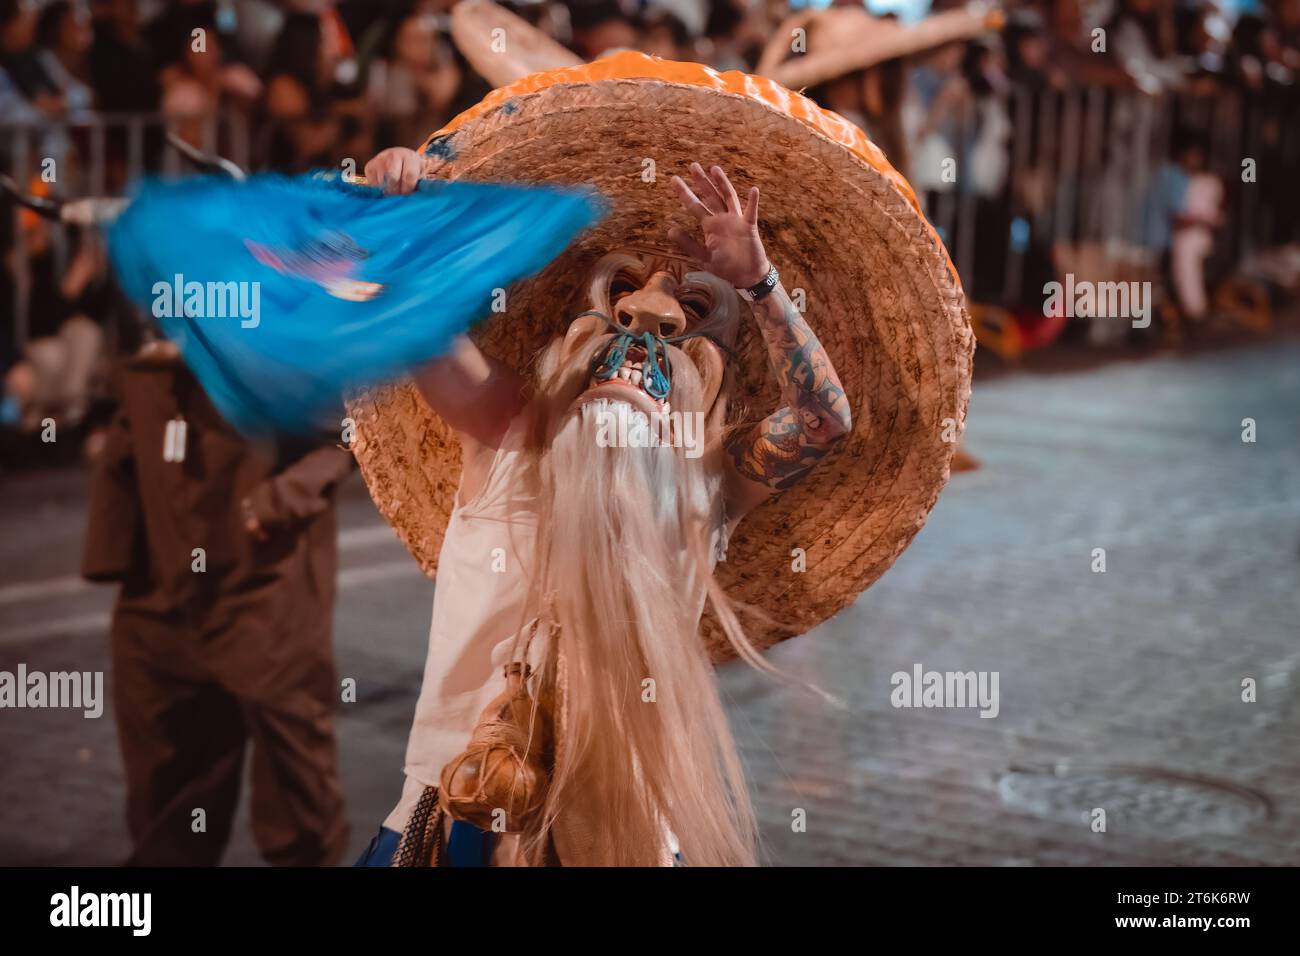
[{"x": 624, "y": 568}]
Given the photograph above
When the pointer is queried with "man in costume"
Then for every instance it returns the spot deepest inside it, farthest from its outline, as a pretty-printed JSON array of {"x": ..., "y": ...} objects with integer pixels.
[
  {"x": 657, "y": 336},
  {"x": 581, "y": 571}
]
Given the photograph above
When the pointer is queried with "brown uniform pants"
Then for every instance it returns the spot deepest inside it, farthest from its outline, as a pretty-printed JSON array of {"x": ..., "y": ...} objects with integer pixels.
[{"x": 188, "y": 705}]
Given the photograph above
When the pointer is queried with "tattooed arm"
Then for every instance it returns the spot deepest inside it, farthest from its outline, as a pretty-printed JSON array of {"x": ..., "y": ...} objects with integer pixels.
[
  {"x": 782, "y": 448},
  {"x": 778, "y": 451}
]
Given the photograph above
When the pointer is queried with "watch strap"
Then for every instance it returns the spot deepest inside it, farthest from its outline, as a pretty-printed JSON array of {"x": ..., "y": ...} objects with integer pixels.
[{"x": 763, "y": 288}]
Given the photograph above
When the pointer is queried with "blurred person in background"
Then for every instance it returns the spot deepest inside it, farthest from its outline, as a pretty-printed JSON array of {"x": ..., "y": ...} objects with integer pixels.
[
  {"x": 601, "y": 25},
  {"x": 1265, "y": 70},
  {"x": 1029, "y": 52},
  {"x": 20, "y": 59},
  {"x": 1072, "y": 57},
  {"x": 122, "y": 68},
  {"x": 987, "y": 160},
  {"x": 1142, "y": 36},
  {"x": 57, "y": 371},
  {"x": 226, "y": 556},
  {"x": 15, "y": 107},
  {"x": 197, "y": 78},
  {"x": 412, "y": 89},
  {"x": 1258, "y": 58},
  {"x": 729, "y": 42},
  {"x": 38, "y": 81},
  {"x": 736, "y": 31},
  {"x": 871, "y": 99},
  {"x": 1192, "y": 200},
  {"x": 54, "y": 375},
  {"x": 316, "y": 111},
  {"x": 934, "y": 108},
  {"x": 956, "y": 115},
  {"x": 1202, "y": 33},
  {"x": 65, "y": 36},
  {"x": 1285, "y": 17},
  {"x": 669, "y": 28}
]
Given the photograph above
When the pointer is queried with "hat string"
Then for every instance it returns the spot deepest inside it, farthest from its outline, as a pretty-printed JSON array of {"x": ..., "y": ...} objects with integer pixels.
[{"x": 664, "y": 340}]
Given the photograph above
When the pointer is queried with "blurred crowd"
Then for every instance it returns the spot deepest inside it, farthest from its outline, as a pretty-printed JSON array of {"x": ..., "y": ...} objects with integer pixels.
[
  {"x": 306, "y": 84},
  {"x": 321, "y": 81}
]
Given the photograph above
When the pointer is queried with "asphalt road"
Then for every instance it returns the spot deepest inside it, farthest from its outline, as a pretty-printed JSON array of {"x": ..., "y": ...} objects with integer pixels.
[{"x": 1118, "y": 691}]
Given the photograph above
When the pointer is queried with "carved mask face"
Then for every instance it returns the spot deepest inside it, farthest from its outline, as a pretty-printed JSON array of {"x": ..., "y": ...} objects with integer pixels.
[{"x": 656, "y": 310}]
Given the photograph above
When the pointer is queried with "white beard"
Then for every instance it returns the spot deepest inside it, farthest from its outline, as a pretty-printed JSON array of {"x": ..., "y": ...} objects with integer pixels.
[
  {"x": 645, "y": 475},
  {"x": 624, "y": 577}
]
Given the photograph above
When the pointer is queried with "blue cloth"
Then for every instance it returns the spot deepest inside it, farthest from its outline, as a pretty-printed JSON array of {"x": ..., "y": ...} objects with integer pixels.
[
  {"x": 468, "y": 846},
  {"x": 381, "y": 849},
  {"x": 283, "y": 293}
]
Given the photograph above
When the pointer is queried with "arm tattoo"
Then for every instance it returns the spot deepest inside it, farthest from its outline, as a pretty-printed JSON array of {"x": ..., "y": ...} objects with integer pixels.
[{"x": 785, "y": 446}]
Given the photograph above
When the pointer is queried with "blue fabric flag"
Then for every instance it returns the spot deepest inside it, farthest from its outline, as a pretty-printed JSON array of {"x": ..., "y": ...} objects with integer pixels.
[{"x": 283, "y": 293}]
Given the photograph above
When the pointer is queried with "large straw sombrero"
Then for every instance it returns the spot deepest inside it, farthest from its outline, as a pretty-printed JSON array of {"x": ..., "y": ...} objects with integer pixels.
[
  {"x": 841, "y": 40},
  {"x": 840, "y": 224}
]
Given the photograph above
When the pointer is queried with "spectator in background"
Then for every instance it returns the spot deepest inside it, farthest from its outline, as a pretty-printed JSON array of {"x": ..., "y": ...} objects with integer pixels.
[
  {"x": 208, "y": 666},
  {"x": 412, "y": 90},
  {"x": 1183, "y": 210},
  {"x": 46, "y": 60},
  {"x": 20, "y": 58},
  {"x": 1028, "y": 53},
  {"x": 197, "y": 80},
  {"x": 938, "y": 95},
  {"x": 1142, "y": 37},
  {"x": 872, "y": 99},
  {"x": 723, "y": 45},
  {"x": 601, "y": 25},
  {"x": 1285, "y": 17},
  {"x": 1074, "y": 56},
  {"x": 65, "y": 37},
  {"x": 315, "y": 110},
  {"x": 1194, "y": 224},
  {"x": 1258, "y": 64},
  {"x": 987, "y": 160},
  {"x": 14, "y": 107},
  {"x": 737, "y": 31},
  {"x": 122, "y": 67},
  {"x": 669, "y": 28},
  {"x": 54, "y": 375},
  {"x": 1258, "y": 58},
  {"x": 1202, "y": 33}
]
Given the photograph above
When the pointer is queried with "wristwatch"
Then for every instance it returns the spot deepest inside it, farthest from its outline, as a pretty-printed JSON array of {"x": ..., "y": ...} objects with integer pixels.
[{"x": 764, "y": 287}]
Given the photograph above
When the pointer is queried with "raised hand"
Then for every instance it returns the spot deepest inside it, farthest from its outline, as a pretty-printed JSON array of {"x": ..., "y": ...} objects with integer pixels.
[{"x": 732, "y": 249}]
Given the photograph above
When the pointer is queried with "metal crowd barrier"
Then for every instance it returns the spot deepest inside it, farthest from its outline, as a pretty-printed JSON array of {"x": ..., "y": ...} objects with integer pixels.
[
  {"x": 1081, "y": 164},
  {"x": 97, "y": 155},
  {"x": 1079, "y": 168}
]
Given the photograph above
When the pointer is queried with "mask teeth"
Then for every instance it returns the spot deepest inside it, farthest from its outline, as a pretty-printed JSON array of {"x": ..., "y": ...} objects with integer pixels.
[
  {"x": 657, "y": 380},
  {"x": 614, "y": 358}
]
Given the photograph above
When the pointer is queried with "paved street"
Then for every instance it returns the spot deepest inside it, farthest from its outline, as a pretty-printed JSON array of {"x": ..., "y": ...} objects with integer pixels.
[{"x": 1119, "y": 691}]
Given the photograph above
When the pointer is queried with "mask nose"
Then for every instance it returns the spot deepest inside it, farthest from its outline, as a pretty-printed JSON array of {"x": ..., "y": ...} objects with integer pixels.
[{"x": 653, "y": 308}]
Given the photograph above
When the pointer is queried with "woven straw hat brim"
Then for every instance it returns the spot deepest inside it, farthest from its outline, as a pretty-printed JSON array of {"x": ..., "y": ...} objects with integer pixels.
[
  {"x": 843, "y": 40},
  {"x": 503, "y": 47},
  {"x": 836, "y": 219}
]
